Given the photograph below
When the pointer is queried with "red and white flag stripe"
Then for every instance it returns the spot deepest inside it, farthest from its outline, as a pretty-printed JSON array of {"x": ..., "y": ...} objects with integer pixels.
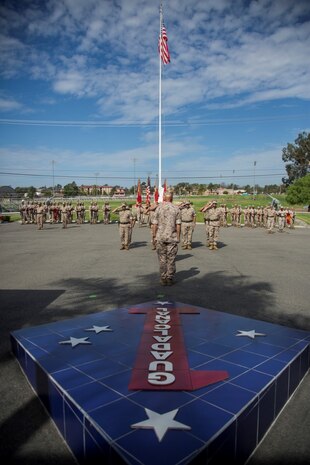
[{"x": 163, "y": 46}]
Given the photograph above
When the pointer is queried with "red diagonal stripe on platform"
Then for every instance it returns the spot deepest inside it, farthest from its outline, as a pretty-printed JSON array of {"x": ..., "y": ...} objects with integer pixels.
[{"x": 185, "y": 378}]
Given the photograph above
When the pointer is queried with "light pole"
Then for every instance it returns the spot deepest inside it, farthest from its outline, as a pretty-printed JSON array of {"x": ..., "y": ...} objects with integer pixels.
[
  {"x": 96, "y": 175},
  {"x": 254, "y": 187},
  {"x": 233, "y": 182},
  {"x": 53, "y": 171},
  {"x": 134, "y": 176}
]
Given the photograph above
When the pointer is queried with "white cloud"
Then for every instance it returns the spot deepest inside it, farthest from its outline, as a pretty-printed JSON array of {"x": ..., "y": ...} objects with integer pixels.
[
  {"x": 108, "y": 50},
  {"x": 9, "y": 104}
]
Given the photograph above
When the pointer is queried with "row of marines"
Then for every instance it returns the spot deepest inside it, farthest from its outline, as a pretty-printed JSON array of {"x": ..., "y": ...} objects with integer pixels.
[
  {"x": 37, "y": 212},
  {"x": 254, "y": 216},
  {"x": 214, "y": 218}
]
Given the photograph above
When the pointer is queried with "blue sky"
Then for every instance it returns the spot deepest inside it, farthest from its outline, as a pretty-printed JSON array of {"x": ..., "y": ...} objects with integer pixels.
[{"x": 79, "y": 90}]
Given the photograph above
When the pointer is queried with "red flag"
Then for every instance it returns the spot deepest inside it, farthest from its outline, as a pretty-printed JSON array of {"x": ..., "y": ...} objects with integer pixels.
[
  {"x": 156, "y": 194},
  {"x": 139, "y": 197},
  {"x": 163, "y": 46}
]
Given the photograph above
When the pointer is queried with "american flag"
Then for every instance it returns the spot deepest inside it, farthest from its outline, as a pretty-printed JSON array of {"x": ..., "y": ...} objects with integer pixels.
[{"x": 163, "y": 46}]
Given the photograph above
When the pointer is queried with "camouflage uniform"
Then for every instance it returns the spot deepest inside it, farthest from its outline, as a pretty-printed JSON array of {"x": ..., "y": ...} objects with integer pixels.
[
  {"x": 253, "y": 216},
  {"x": 125, "y": 225},
  {"x": 281, "y": 214},
  {"x": 224, "y": 214},
  {"x": 188, "y": 219},
  {"x": 204, "y": 210},
  {"x": 213, "y": 215},
  {"x": 82, "y": 212},
  {"x": 94, "y": 213},
  {"x": 167, "y": 217},
  {"x": 246, "y": 212},
  {"x": 40, "y": 214},
  {"x": 106, "y": 209},
  {"x": 79, "y": 213},
  {"x": 30, "y": 212},
  {"x": 133, "y": 222},
  {"x": 233, "y": 214},
  {"x": 238, "y": 211},
  {"x": 23, "y": 212},
  {"x": 152, "y": 210},
  {"x": 64, "y": 215},
  {"x": 146, "y": 214},
  {"x": 56, "y": 213},
  {"x": 139, "y": 214},
  {"x": 271, "y": 214}
]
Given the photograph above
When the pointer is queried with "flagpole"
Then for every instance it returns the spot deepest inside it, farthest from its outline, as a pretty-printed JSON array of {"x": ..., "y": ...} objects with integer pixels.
[{"x": 159, "y": 109}]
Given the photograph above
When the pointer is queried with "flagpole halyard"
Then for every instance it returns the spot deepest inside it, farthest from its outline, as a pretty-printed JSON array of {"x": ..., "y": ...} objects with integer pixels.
[{"x": 160, "y": 109}]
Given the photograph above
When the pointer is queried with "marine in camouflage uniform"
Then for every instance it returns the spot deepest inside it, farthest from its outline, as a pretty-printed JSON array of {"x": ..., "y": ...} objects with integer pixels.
[
  {"x": 23, "y": 212},
  {"x": 64, "y": 215},
  {"x": 213, "y": 216},
  {"x": 281, "y": 214},
  {"x": 167, "y": 223},
  {"x": 188, "y": 222},
  {"x": 106, "y": 210},
  {"x": 146, "y": 214},
  {"x": 70, "y": 209},
  {"x": 79, "y": 213},
  {"x": 94, "y": 209},
  {"x": 125, "y": 224},
  {"x": 238, "y": 211},
  {"x": 204, "y": 210},
  {"x": 224, "y": 214},
  {"x": 83, "y": 212},
  {"x": 271, "y": 215},
  {"x": 133, "y": 222},
  {"x": 246, "y": 212},
  {"x": 233, "y": 214},
  {"x": 39, "y": 215},
  {"x": 253, "y": 216},
  {"x": 151, "y": 211}
]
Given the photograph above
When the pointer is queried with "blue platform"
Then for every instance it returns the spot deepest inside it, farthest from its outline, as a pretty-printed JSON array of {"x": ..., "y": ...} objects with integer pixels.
[{"x": 81, "y": 369}]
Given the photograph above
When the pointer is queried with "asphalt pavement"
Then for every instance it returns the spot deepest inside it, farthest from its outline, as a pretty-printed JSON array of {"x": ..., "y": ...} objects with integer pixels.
[{"x": 56, "y": 274}]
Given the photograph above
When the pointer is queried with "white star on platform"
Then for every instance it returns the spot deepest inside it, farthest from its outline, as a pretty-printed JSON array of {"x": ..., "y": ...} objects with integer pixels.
[
  {"x": 75, "y": 341},
  {"x": 161, "y": 423},
  {"x": 252, "y": 334},
  {"x": 163, "y": 303},
  {"x": 99, "y": 329}
]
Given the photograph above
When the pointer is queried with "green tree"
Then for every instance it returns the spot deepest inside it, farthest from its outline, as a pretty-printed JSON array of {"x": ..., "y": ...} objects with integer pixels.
[
  {"x": 299, "y": 191},
  {"x": 71, "y": 190},
  {"x": 201, "y": 189},
  {"x": 31, "y": 192},
  {"x": 298, "y": 156}
]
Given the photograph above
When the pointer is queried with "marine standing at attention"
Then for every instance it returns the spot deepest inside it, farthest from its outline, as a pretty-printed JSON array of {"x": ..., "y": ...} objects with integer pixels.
[
  {"x": 167, "y": 225},
  {"x": 40, "y": 213}
]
